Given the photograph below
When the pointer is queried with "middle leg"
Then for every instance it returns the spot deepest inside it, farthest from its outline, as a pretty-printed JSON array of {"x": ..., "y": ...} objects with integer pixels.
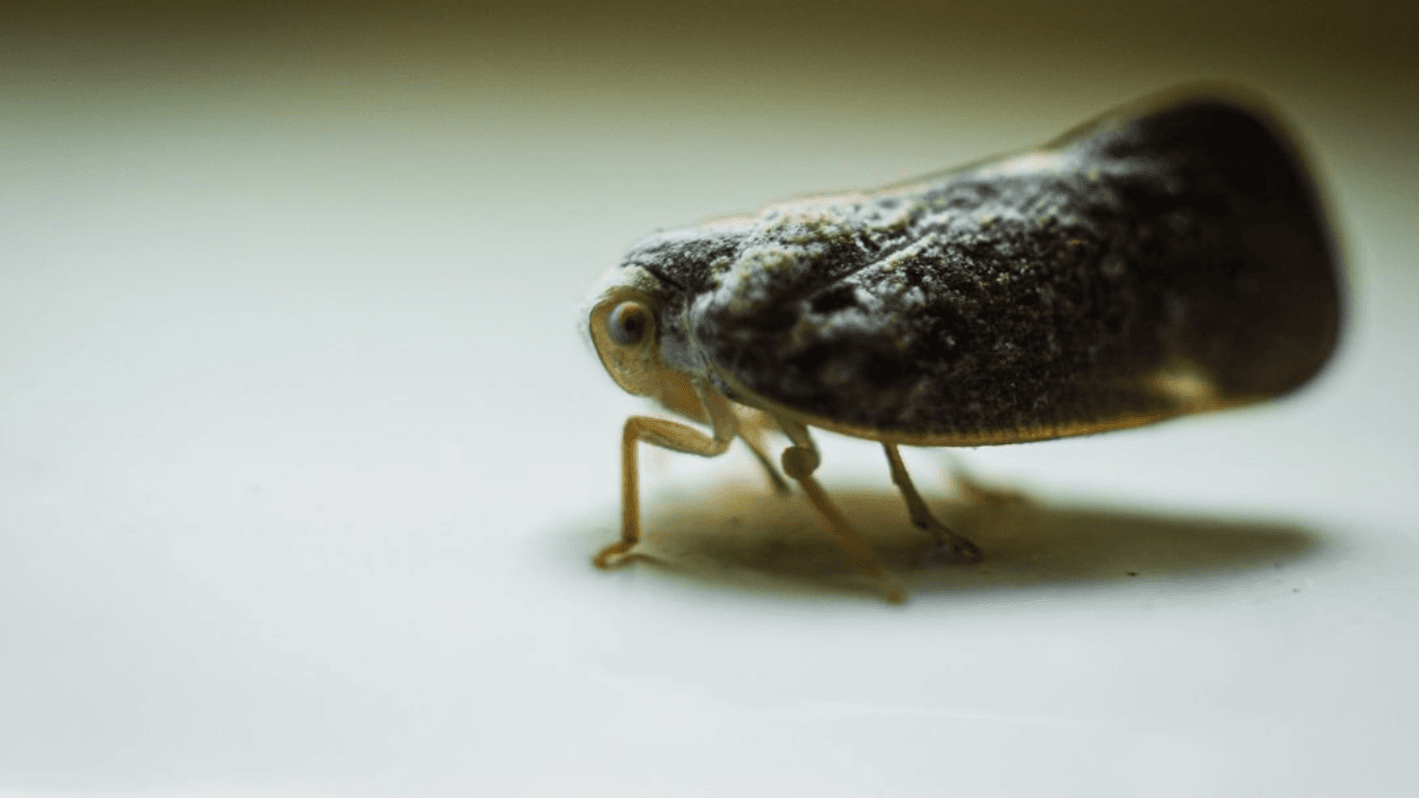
[
  {"x": 958, "y": 548},
  {"x": 799, "y": 462}
]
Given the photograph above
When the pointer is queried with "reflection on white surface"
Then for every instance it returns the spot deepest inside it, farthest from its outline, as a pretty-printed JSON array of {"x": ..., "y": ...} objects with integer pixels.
[{"x": 302, "y": 461}]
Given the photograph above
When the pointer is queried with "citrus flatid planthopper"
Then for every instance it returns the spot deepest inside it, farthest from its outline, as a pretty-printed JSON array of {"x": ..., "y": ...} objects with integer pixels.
[{"x": 1169, "y": 258}]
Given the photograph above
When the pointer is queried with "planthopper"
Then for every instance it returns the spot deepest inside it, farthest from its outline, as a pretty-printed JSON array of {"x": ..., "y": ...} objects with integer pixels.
[{"x": 1169, "y": 258}]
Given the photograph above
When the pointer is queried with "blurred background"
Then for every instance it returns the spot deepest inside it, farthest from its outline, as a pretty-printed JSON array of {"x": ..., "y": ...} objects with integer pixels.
[{"x": 303, "y": 456}]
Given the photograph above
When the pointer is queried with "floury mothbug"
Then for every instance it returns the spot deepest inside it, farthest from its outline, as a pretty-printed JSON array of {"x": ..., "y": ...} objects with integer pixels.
[{"x": 1169, "y": 258}]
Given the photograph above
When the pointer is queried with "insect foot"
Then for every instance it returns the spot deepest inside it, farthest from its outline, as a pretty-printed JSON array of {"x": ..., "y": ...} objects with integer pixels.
[
  {"x": 615, "y": 555},
  {"x": 959, "y": 551},
  {"x": 946, "y": 545}
]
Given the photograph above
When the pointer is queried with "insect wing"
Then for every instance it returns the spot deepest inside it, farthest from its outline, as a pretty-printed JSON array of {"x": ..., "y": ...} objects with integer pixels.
[{"x": 1147, "y": 266}]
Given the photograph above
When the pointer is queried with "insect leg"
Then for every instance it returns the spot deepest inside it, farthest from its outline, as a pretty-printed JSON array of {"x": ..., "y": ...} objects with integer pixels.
[
  {"x": 958, "y": 548},
  {"x": 751, "y": 431},
  {"x": 668, "y": 435},
  {"x": 799, "y": 462}
]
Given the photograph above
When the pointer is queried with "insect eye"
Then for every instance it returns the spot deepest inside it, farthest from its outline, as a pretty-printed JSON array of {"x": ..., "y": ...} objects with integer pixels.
[{"x": 629, "y": 323}]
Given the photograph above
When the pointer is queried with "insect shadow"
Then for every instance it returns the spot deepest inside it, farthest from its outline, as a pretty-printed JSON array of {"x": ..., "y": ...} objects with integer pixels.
[{"x": 744, "y": 538}]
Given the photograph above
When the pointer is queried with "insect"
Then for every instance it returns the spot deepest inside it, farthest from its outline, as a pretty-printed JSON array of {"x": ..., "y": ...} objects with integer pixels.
[{"x": 1168, "y": 258}]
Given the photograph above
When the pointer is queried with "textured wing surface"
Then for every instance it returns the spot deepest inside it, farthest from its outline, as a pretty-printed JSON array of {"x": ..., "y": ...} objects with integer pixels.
[{"x": 1146, "y": 266}]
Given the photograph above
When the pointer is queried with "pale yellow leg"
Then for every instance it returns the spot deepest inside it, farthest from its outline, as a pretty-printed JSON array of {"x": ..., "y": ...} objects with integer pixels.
[
  {"x": 668, "y": 435},
  {"x": 958, "y": 548},
  {"x": 799, "y": 463},
  {"x": 751, "y": 431}
]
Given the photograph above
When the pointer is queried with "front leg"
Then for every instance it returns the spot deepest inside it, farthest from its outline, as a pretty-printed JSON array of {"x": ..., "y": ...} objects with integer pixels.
[{"x": 668, "y": 435}]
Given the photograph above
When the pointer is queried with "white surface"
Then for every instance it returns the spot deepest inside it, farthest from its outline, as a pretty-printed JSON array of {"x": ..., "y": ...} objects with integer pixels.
[{"x": 302, "y": 460}]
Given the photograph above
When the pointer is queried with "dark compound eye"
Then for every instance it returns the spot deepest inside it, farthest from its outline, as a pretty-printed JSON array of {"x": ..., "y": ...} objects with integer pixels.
[{"x": 629, "y": 323}]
